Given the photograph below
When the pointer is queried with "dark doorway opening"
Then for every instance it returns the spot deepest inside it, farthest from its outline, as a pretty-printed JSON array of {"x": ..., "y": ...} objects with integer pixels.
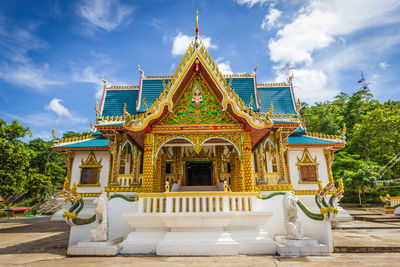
[{"x": 199, "y": 173}]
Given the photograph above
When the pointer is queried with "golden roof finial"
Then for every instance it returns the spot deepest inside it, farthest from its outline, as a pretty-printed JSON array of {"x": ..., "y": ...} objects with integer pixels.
[
  {"x": 140, "y": 70},
  {"x": 251, "y": 101},
  {"x": 197, "y": 29},
  {"x": 104, "y": 81},
  {"x": 255, "y": 69},
  {"x": 96, "y": 107},
  {"x": 53, "y": 133},
  {"x": 126, "y": 113},
  {"x": 298, "y": 103},
  {"x": 291, "y": 76}
]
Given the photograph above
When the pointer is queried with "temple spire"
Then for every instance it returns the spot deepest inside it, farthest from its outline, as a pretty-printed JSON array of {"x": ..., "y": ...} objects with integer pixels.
[{"x": 197, "y": 28}]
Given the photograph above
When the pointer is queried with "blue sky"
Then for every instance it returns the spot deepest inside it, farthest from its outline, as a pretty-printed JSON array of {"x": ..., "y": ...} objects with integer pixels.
[{"x": 53, "y": 53}]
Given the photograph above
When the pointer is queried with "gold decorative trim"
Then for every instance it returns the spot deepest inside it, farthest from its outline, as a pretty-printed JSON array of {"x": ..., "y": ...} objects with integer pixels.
[
  {"x": 89, "y": 194},
  {"x": 307, "y": 160},
  {"x": 275, "y": 187},
  {"x": 219, "y": 193},
  {"x": 88, "y": 185},
  {"x": 90, "y": 162}
]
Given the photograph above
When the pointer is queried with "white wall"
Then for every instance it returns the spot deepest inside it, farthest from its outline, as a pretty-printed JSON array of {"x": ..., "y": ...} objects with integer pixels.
[
  {"x": 104, "y": 171},
  {"x": 294, "y": 155}
]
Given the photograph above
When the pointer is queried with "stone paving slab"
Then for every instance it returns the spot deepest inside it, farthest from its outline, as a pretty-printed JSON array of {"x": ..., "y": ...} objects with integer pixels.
[{"x": 38, "y": 242}]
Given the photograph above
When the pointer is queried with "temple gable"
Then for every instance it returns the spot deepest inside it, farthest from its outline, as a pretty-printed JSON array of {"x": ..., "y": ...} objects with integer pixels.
[{"x": 197, "y": 104}]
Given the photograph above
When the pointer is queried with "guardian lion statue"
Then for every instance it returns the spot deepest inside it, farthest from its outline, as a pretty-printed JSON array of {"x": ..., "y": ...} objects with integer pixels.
[
  {"x": 292, "y": 224},
  {"x": 100, "y": 230}
]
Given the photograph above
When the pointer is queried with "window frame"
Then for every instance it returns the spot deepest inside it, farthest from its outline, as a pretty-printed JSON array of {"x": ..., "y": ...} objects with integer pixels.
[
  {"x": 307, "y": 161},
  {"x": 90, "y": 163}
]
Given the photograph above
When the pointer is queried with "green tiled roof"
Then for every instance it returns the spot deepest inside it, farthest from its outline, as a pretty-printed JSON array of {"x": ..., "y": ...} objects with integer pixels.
[
  {"x": 151, "y": 90},
  {"x": 299, "y": 130},
  {"x": 94, "y": 142},
  {"x": 244, "y": 87},
  {"x": 306, "y": 140},
  {"x": 281, "y": 98},
  {"x": 114, "y": 101}
]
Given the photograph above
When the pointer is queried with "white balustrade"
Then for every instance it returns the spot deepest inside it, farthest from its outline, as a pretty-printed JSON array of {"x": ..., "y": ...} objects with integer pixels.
[{"x": 181, "y": 203}]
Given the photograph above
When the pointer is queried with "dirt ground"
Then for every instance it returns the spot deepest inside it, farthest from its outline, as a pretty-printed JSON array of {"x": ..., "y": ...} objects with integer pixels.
[{"x": 39, "y": 242}]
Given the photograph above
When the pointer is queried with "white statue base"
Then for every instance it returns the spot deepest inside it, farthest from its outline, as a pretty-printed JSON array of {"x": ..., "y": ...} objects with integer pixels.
[
  {"x": 300, "y": 247},
  {"x": 100, "y": 248}
]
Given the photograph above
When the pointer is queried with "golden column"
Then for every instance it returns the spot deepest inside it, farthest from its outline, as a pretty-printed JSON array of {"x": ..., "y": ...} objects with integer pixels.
[
  {"x": 261, "y": 156},
  {"x": 136, "y": 159},
  {"x": 148, "y": 168},
  {"x": 178, "y": 164},
  {"x": 238, "y": 179},
  {"x": 68, "y": 159},
  {"x": 233, "y": 176},
  {"x": 218, "y": 161},
  {"x": 163, "y": 172},
  {"x": 282, "y": 164},
  {"x": 248, "y": 179},
  {"x": 329, "y": 159},
  {"x": 115, "y": 148},
  {"x": 157, "y": 174}
]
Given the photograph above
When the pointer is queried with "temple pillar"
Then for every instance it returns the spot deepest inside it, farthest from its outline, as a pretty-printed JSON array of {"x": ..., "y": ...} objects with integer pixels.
[
  {"x": 238, "y": 178},
  {"x": 163, "y": 172},
  {"x": 136, "y": 158},
  {"x": 157, "y": 174},
  {"x": 178, "y": 164},
  {"x": 148, "y": 168},
  {"x": 69, "y": 160},
  {"x": 281, "y": 159},
  {"x": 218, "y": 162},
  {"x": 329, "y": 159},
  {"x": 233, "y": 177},
  {"x": 115, "y": 149},
  {"x": 261, "y": 169},
  {"x": 248, "y": 178}
]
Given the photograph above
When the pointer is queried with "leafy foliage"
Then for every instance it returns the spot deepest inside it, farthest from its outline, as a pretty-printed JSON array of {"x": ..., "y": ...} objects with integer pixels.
[
  {"x": 373, "y": 137},
  {"x": 29, "y": 172}
]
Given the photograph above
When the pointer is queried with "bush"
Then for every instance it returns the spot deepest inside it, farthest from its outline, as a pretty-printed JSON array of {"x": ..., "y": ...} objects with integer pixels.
[
  {"x": 3, "y": 213},
  {"x": 34, "y": 211}
]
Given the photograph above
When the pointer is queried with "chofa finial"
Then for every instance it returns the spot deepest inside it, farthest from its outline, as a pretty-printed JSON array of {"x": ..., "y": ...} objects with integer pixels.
[{"x": 197, "y": 29}]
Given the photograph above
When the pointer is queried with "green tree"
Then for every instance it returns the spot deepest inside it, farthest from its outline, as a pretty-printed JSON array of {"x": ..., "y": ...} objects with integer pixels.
[
  {"x": 15, "y": 157},
  {"x": 356, "y": 173}
]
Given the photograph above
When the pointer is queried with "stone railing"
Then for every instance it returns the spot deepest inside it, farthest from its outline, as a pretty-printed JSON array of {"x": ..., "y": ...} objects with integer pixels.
[
  {"x": 126, "y": 179},
  {"x": 196, "y": 202}
]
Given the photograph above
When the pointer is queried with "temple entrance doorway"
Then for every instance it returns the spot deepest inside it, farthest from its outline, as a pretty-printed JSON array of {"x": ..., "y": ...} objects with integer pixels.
[{"x": 199, "y": 173}]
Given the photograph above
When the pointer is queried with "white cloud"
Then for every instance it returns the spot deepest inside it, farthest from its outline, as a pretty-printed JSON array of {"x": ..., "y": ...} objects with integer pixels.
[
  {"x": 384, "y": 65},
  {"x": 271, "y": 19},
  {"x": 225, "y": 67},
  {"x": 28, "y": 75},
  {"x": 89, "y": 75},
  {"x": 251, "y": 3},
  {"x": 319, "y": 43},
  {"x": 312, "y": 84},
  {"x": 182, "y": 41},
  {"x": 60, "y": 110},
  {"x": 106, "y": 14},
  {"x": 322, "y": 22}
]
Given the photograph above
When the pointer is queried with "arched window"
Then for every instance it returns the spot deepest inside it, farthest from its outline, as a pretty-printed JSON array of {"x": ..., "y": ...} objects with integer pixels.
[
  {"x": 308, "y": 168},
  {"x": 90, "y": 171}
]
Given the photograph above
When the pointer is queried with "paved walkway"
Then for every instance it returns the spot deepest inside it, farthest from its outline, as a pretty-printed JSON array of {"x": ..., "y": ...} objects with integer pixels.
[{"x": 38, "y": 242}]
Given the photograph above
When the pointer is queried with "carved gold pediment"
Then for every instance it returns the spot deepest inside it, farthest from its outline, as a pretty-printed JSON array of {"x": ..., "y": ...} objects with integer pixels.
[{"x": 197, "y": 104}]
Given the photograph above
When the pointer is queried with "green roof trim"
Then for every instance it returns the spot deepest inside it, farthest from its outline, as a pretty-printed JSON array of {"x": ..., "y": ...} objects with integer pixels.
[
  {"x": 244, "y": 87},
  {"x": 114, "y": 101},
  {"x": 308, "y": 140},
  {"x": 281, "y": 98},
  {"x": 94, "y": 142},
  {"x": 151, "y": 90}
]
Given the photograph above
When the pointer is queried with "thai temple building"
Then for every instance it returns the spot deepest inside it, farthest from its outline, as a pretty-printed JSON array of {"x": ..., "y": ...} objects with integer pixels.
[{"x": 199, "y": 163}]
